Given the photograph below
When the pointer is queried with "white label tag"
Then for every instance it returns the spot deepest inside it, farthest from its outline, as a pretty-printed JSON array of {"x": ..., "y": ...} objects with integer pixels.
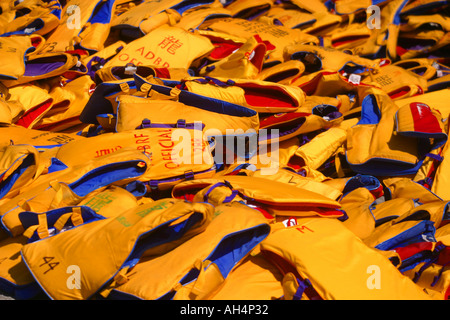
[
  {"x": 130, "y": 70},
  {"x": 354, "y": 78}
]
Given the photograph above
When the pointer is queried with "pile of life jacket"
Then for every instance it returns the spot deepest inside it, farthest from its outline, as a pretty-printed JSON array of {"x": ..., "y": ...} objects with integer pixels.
[{"x": 225, "y": 150}]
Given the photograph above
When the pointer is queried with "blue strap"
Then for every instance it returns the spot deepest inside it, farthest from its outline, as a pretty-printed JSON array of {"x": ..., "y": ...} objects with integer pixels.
[
  {"x": 439, "y": 248},
  {"x": 438, "y": 276},
  {"x": 153, "y": 184},
  {"x": 189, "y": 175},
  {"x": 91, "y": 72},
  {"x": 344, "y": 217},
  {"x": 302, "y": 286},
  {"x": 181, "y": 123},
  {"x": 221, "y": 184},
  {"x": 146, "y": 123},
  {"x": 304, "y": 139},
  {"x": 215, "y": 81},
  {"x": 233, "y": 195},
  {"x": 205, "y": 196},
  {"x": 435, "y": 156}
]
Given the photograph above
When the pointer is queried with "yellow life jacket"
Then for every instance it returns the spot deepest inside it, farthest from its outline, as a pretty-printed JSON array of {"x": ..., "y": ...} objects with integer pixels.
[
  {"x": 397, "y": 82},
  {"x": 289, "y": 17},
  {"x": 224, "y": 44},
  {"x": 149, "y": 15},
  {"x": 158, "y": 91},
  {"x": 300, "y": 181},
  {"x": 416, "y": 253},
  {"x": 38, "y": 226},
  {"x": 230, "y": 237},
  {"x": 6, "y": 115},
  {"x": 103, "y": 99},
  {"x": 398, "y": 49},
  {"x": 35, "y": 101},
  {"x": 356, "y": 205},
  {"x": 119, "y": 168},
  {"x": 14, "y": 51},
  {"x": 332, "y": 271},
  {"x": 352, "y": 37},
  {"x": 411, "y": 44},
  {"x": 391, "y": 209},
  {"x": 135, "y": 231},
  {"x": 348, "y": 184},
  {"x": 133, "y": 111},
  {"x": 8, "y": 111},
  {"x": 30, "y": 17},
  {"x": 395, "y": 233},
  {"x": 443, "y": 234},
  {"x": 329, "y": 59},
  {"x": 284, "y": 174},
  {"x": 245, "y": 63},
  {"x": 46, "y": 65},
  {"x": 261, "y": 96},
  {"x": 173, "y": 159},
  {"x": 327, "y": 83},
  {"x": 19, "y": 166},
  {"x": 326, "y": 106},
  {"x": 68, "y": 103},
  {"x": 398, "y": 137},
  {"x": 293, "y": 124},
  {"x": 426, "y": 264},
  {"x": 368, "y": 38},
  {"x": 438, "y": 176},
  {"x": 254, "y": 278},
  {"x": 248, "y": 9},
  {"x": 95, "y": 62},
  {"x": 322, "y": 24},
  {"x": 165, "y": 46},
  {"x": 402, "y": 187},
  {"x": 430, "y": 69},
  {"x": 83, "y": 23},
  {"x": 275, "y": 197},
  {"x": 435, "y": 99},
  {"x": 311, "y": 6},
  {"x": 279, "y": 36},
  {"x": 194, "y": 18},
  {"x": 435, "y": 279},
  {"x": 151, "y": 89},
  {"x": 324, "y": 145},
  {"x": 40, "y": 139},
  {"x": 415, "y": 22},
  {"x": 130, "y": 20},
  {"x": 435, "y": 211},
  {"x": 282, "y": 73},
  {"x": 16, "y": 281}
]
